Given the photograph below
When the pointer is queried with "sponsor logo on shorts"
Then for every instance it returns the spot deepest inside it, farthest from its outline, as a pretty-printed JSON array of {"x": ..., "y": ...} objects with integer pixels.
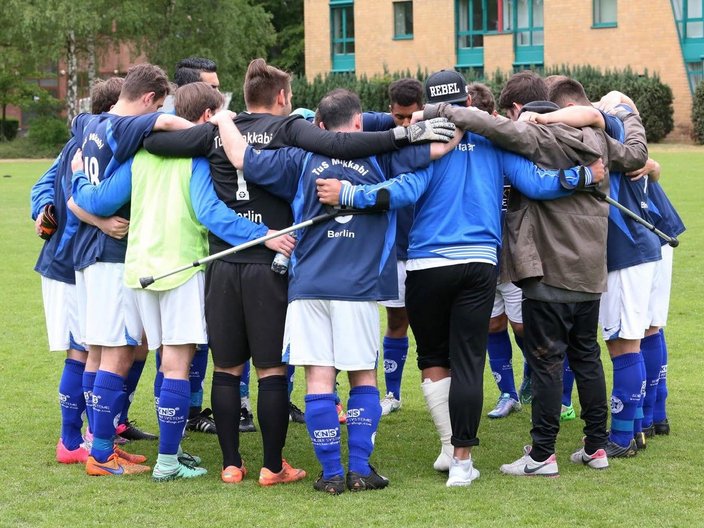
[
  {"x": 616, "y": 405},
  {"x": 325, "y": 433},
  {"x": 390, "y": 365}
]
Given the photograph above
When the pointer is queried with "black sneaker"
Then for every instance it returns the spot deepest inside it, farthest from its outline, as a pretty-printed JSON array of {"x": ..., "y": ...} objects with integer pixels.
[
  {"x": 333, "y": 486},
  {"x": 246, "y": 421},
  {"x": 662, "y": 428},
  {"x": 649, "y": 432},
  {"x": 613, "y": 450},
  {"x": 373, "y": 481},
  {"x": 640, "y": 441},
  {"x": 202, "y": 422},
  {"x": 130, "y": 431},
  {"x": 295, "y": 414}
]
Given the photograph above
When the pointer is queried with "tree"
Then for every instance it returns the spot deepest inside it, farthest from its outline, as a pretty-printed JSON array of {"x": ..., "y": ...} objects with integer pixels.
[{"x": 288, "y": 52}]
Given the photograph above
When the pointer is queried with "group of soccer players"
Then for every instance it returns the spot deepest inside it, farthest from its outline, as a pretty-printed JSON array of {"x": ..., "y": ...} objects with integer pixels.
[{"x": 203, "y": 181}]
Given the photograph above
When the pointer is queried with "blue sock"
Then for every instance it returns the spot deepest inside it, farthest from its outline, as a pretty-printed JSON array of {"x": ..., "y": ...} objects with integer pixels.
[
  {"x": 395, "y": 353},
  {"x": 108, "y": 400},
  {"x": 196, "y": 376},
  {"x": 567, "y": 384},
  {"x": 500, "y": 353},
  {"x": 244, "y": 381},
  {"x": 324, "y": 430},
  {"x": 660, "y": 409},
  {"x": 158, "y": 381},
  {"x": 291, "y": 373},
  {"x": 652, "y": 357},
  {"x": 363, "y": 414},
  {"x": 526, "y": 368},
  {"x": 72, "y": 402},
  {"x": 172, "y": 414},
  {"x": 88, "y": 382},
  {"x": 628, "y": 380},
  {"x": 131, "y": 382},
  {"x": 638, "y": 418}
]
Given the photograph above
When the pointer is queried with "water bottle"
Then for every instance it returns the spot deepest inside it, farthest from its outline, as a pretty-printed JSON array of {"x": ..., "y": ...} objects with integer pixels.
[{"x": 280, "y": 263}]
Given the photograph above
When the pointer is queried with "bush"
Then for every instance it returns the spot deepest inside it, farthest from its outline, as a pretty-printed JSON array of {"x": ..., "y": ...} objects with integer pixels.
[
  {"x": 8, "y": 129},
  {"x": 48, "y": 131},
  {"x": 698, "y": 114}
]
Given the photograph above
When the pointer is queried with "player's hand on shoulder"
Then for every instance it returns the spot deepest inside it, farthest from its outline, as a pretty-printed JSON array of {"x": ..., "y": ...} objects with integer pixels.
[
  {"x": 282, "y": 244},
  {"x": 222, "y": 114},
  {"x": 328, "y": 190},
  {"x": 598, "y": 170},
  {"x": 114, "y": 226},
  {"x": 417, "y": 116},
  {"x": 77, "y": 161},
  {"x": 651, "y": 169}
]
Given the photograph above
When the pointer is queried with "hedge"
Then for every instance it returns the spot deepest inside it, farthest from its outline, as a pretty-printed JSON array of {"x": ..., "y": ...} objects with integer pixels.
[
  {"x": 8, "y": 129},
  {"x": 698, "y": 114}
]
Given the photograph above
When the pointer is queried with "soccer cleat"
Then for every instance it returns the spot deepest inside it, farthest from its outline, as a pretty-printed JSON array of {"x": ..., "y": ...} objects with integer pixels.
[
  {"x": 286, "y": 475},
  {"x": 444, "y": 459},
  {"x": 373, "y": 481},
  {"x": 188, "y": 459},
  {"x": 599, "y": 460},
  {"x": 202, "y": 422},
  {"x": 334, "y": 485},
  {"x": 233, "y": 474},
  {"x": 114, "y": 466},
  {"x": 130, "y": 431},
  {"x": 341, "y": 414},
  {"x": 504, "y": 406},
  {"x": 640, "y": 441},
  {"x": 662, "y": 428},
  {"x": 567, "y": 413},
  {"x": 462, "y": 473},
  {"x": 389, "y": 404},
  {"x": 613, "y": 450},
  {"x": 181, "y": 472},
  {"x": 527, "y": 467},
  {"x": 73, "y": 456},
  {"x": 649, "y": 431},
  {"x": 525, "y": 393},
  {"x": 130, "y": 457},
  {"x": 295, "y": 415},
  {"x": 246, "y": 421}
]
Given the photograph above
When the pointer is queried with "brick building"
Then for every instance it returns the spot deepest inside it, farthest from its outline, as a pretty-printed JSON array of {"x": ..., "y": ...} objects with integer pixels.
[{"x": 365, "y": 36}]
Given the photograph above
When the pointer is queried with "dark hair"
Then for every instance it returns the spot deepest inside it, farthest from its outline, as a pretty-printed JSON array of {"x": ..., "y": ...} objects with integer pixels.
[
  {"x": 406, "y": 92},
  {"x": 523, "y": 87},
  {"x": 197, "y": 63},
  {"x": 192, "y": 99},
  {"x": 337, "y": 108},
  {"x": 566, "y": 91},
  {"x": 104, "y": 94},
  {"x": 185, "y": 76},
  {"x": 262, "y": 83},
  {"x": 144, "y": 78},
  {"x": 552, "y": 79},
  {"x": 482, "y": 97}
]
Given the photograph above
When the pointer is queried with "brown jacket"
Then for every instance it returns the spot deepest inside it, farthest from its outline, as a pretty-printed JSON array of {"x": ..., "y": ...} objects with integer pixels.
[{"x": 560, "y": 242}]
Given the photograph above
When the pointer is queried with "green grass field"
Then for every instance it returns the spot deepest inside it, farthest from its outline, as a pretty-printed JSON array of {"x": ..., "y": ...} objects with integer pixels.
[{"x": 662, "y": 486}]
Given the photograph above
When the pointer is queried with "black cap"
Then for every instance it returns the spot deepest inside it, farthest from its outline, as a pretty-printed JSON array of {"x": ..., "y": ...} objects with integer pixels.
[
  {"x": 446, "y": 86},
  {"x": 539, "y": 107}
]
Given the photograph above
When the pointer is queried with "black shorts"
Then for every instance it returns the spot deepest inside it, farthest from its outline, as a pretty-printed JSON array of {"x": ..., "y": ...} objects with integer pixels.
[{"x": 245, "y": 309}]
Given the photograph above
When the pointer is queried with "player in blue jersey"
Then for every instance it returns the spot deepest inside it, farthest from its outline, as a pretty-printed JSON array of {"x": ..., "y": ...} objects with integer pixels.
[
  {"x": 452, "y": 253},
  {"x": 405, "y": 97},
  {"x": 55, "y": 265},
  {"x": 107, "y": 328},
  {"x": 332, "y": 320}
]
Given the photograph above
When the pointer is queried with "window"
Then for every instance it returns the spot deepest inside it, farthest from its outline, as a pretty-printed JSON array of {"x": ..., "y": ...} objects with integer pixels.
[
  {"x": 342, "y": 33},
  {"x": 403, "y": 20},
  {"x": 689, "y": 16},
  {"x": 474, "y": 19},
  {"x": 604, "y": 13},
  {"x": 528, "y": 39}
]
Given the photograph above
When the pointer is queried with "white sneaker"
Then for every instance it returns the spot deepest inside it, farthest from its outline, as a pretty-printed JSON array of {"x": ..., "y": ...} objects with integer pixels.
[
  {"x": 527, "y": 467},
  {"x": 444, "y": 459},
  {"x": 462, "y": 473},
  {"x": 389, "y": 404},
  {"x": 598, "y": 460}
]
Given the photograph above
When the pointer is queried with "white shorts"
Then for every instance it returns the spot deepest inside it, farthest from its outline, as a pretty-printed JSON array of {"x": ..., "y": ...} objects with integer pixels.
[
  {"x": 623, "y": 312},
  {"x": 401, "y": 301},
  {"x": 61, "y": 313},
  {"x": 508, "y": 299},
  {"x": 107, "y": 312},
  {"x": 174, "y": 317},
  {"x": 340, "y": 334},
  {"x": 662, "y": 284}
]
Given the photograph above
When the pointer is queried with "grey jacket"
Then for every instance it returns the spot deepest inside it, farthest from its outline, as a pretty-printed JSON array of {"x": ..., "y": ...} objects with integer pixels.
[{"x": 561, "y": 243}]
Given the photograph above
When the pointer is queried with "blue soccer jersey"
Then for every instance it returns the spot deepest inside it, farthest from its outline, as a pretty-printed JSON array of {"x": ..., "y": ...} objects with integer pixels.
[
  {"x": 628, "y": 243},
  {"x": 663, "y": 213},
  {"x": 106, "y": 140},
  {"x": 348, "y": 258}
]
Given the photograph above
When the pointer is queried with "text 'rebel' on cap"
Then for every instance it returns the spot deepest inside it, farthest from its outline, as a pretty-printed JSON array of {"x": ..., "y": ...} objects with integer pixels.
[{"x": 446, "y": 86}]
